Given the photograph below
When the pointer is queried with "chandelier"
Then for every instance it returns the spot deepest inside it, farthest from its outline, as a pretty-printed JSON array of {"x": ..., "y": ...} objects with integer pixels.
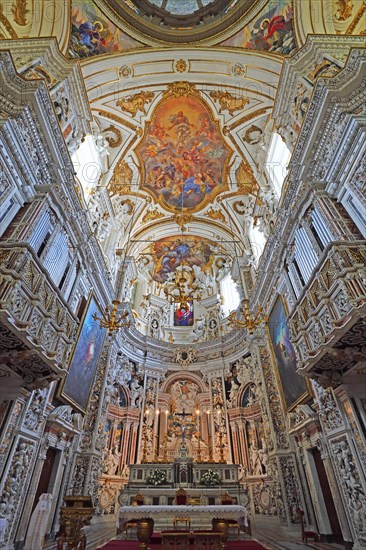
[
  {"x": 111, "y": 319},
  {"x": 183, "y": 288},
  {"x": 247, "y": 321}
]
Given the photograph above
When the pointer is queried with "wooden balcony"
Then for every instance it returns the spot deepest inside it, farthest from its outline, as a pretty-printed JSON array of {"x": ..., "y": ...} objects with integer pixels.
[
  {"x": 33, "y": 314},
  {"x": 327, "y": 323}
]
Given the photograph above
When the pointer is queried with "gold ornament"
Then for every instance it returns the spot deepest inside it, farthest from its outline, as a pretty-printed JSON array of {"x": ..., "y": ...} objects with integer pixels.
[
  {"x": 229, "y": 102},
  {"x": 136, "y": 102}
]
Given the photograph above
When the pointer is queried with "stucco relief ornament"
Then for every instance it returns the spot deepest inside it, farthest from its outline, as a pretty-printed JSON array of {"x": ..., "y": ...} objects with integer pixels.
[
  {"x": 185, "y": 356},
  {"x": 229, "y": 102},
  {"x": 135, "y": 103},
  {"x": 239, "y": 70},
  {"x": 124, "y": 71},
  {"x": 181, "y": 66}
]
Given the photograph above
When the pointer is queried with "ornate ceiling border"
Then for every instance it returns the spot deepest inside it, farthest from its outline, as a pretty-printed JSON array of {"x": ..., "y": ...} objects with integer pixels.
[{"x": 144, "y": 29}]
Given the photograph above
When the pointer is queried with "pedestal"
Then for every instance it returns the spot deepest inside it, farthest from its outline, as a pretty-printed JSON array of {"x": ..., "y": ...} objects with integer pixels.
[{"x": 76, "y": 514}]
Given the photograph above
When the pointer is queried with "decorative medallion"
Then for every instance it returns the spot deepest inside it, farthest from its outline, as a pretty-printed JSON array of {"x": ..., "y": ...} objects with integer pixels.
[
  {"x": 124, "y": 71},
  {"x": 239, "y": 70},
  {"x": 183, "y": 156},
  {"x": 181, "y": 66}
]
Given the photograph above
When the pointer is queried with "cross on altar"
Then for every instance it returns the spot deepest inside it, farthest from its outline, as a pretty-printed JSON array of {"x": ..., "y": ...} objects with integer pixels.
[{"x": 183, "y": 414}]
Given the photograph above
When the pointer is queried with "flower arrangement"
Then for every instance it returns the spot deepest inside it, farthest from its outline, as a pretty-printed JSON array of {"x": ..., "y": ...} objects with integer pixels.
[
  {"x": 156, "y": 478},
  {"x": 210, "y": 478}
]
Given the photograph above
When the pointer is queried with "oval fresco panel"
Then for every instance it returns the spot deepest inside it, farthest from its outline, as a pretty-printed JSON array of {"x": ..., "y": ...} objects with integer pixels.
[
  {"x": 171, "y": 252},
  {"x": 183, "y": 155}
]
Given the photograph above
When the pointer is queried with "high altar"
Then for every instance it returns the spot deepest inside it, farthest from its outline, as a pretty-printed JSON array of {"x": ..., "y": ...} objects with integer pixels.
[{"x": 205, "y": 482}]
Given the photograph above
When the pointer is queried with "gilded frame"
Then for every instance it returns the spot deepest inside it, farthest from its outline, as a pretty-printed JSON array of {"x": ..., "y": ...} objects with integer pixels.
[
  {"x": 76, "y": 387},
  {"x": 184, "y": 89},
  {"x": 301, "y": 389}
]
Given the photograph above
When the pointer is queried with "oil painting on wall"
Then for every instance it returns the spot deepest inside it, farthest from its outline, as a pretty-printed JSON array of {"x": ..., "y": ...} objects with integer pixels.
[
  {"x": 183, "y": 154},
  {"x": 293, "y": 385},
  {"x": 171, "y": 252},
  {"x": 84, "y": 362},
  {"x": 271, "y": 30},
  {"x": 92, "y": 34}
]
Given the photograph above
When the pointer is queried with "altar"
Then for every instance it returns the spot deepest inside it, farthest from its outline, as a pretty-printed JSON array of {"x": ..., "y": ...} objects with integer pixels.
[{"x": 200, "y": 516}]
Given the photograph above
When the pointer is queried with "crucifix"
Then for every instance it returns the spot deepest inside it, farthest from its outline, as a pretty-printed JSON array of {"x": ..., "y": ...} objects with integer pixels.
[{"x": 183, "y": 414}]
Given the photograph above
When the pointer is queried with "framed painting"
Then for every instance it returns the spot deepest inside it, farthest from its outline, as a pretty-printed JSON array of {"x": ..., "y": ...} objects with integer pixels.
[
  {"x": 294, "y": 387},
  {"x": 78, "y": 383}
]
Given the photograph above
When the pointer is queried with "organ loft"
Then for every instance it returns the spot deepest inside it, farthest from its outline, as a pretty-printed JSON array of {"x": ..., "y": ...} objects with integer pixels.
[{"x": 182, "y": 277}]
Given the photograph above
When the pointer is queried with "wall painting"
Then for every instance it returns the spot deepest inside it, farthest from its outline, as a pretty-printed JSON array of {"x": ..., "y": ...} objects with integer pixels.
[
  {"x": 80, "y": 377},
  {"x": 294, "y": 387}
]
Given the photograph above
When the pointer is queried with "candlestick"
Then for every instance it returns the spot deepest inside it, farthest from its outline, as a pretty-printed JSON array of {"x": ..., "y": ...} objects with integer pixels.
[
  {"x": 156, "y": 457},
  {"x": 199, "y": 438},
  {"x": 210, "y": 455},
  {"x": 144, "y": 453},
  {"x": 165, "y": 448}
]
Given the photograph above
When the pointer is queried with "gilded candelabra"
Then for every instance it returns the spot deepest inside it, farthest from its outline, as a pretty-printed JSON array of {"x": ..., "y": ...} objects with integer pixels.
[
  {"x": 222, "y": 459},
  {"x": 249, "y": 322},
  {"x": 144, "y": 449},
  {"x": 111, "y": 319}
]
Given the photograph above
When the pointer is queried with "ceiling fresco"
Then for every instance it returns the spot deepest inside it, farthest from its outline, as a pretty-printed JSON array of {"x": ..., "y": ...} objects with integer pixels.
[
  {"x": 172, "y": 252},
  {"x": 183, "y": 155},
  {"x": 93, "y": 34},
  {"x": 271, "y": 30}
]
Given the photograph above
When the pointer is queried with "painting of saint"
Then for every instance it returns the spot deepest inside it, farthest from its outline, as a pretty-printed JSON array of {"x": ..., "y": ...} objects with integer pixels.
[
  {"x": 183, "y": 154},
  {"x": 271, "y": 31},
  {"x": 171, "y": 252},
  {"x": 92, "y": 34},
  {"x": 79, "y": 380},
  {"x": 183, "y": 314},
  {"x": 293, "y": 385}
]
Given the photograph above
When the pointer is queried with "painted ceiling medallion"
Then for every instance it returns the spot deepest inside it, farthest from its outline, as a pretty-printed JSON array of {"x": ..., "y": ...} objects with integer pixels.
[{"x": 183, "y": 156}]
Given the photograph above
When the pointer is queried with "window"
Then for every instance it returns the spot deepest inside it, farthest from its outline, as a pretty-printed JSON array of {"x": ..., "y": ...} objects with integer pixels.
[
  {"x": 230, "y": 294},
  {"x": 257, "y": 241},
  {"x": 277, "y": 162},
  {"x": 86, "y": 162}
]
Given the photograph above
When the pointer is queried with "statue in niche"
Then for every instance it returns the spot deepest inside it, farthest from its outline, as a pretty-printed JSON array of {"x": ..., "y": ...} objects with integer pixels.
[
  {"x": 111, "y": 462},
  {"x": 200, "y": 331},
  {"x": 136, "y": 392},
  {"x": 255, "y": 461},
  {"x": 263, "y": 457}
]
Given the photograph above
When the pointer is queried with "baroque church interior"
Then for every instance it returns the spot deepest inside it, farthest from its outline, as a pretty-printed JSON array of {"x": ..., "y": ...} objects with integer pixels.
[{"x": 183, "y": 281}]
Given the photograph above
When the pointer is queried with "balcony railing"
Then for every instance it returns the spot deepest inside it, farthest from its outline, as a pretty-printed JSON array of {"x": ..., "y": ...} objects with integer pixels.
[
  {"x": 32, "y": 304},
  {"x": 332, "y": 302}
]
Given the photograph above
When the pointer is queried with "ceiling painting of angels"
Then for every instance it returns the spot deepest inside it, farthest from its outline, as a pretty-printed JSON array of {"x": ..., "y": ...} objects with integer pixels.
[
  {"x": 195, "y": 253},
  {"x": 183, "y": 155}
]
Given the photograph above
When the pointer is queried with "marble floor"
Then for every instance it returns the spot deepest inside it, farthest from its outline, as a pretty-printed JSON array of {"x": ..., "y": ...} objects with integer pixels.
[{"x": 276, "y": 537}]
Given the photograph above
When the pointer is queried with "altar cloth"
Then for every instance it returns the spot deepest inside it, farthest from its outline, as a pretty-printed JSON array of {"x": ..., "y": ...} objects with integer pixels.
[{"x": 229, "y": 511}]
